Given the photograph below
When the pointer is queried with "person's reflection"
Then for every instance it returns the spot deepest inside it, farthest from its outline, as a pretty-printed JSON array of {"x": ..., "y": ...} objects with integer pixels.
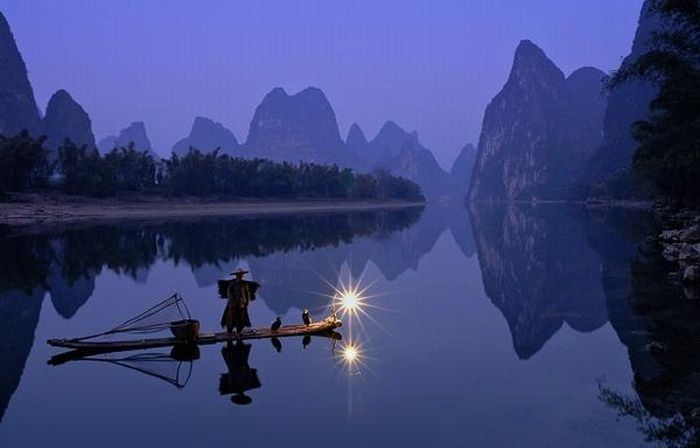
[{"x": 240, "y": 377}]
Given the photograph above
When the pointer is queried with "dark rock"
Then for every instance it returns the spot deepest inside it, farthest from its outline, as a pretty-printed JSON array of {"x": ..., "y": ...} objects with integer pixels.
[
  {"x": 649, "y": 246},
  {"x": 670, "y": 235},
  {"x": 690, "y": 234},
  {"x": 65, "y": 118},
  {"x": 655, "y": 346},
  {"x": 691, "y": 275},
  {"x": 692, "y": 292},
  {"x": 538, "y": 132},
  {"x": 695, "y": 414},
  {"x": 18, "y": 110},
  {"x": 207, "y": 135}
]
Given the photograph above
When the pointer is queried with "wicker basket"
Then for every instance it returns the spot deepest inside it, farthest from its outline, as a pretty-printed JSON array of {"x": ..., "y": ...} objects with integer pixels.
[{"x": 187, "y": 329}]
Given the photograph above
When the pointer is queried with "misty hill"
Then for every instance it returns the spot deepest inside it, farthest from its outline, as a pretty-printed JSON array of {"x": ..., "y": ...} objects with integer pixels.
[
  {"x": 539, "y": 132},
  {"x": 65, "y": 118},
  {"x": 461, "y": 171},
  {"x": 357, "y": 143},
  {"x": 628, "y": 103},
  {"x": 135, "y": 133},
  {"x": 303, "y": 127},
  {"x": 207, "y": 135},
  {"x": 387, "y": 144},
  {"x": 18, "y": 110},
  {"x": 403, "y": 155},
  {"x": 300, "y": 127}
]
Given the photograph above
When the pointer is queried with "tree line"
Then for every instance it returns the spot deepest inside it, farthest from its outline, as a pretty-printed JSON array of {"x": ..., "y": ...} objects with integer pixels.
[
  {"x": 79, "y": 170},
  {"x": 668, "y": 155}
]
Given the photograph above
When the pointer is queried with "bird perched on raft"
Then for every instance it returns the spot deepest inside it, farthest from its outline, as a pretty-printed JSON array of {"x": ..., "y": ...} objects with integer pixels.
[
  {"x": 276, "y": 324},
  {"x": 306, "y": 317}
]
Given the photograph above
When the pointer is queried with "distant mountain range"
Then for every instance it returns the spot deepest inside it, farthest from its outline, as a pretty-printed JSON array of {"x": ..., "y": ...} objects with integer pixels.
[
  {"x": 303, "y": 128},
  {"x": 134, "y": 134},
  {"x": 545, "y": 136},
  {"x": 206, "y": 135}
]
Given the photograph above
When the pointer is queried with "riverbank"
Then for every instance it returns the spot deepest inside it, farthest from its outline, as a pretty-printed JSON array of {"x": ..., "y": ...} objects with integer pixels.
[{"x": 33, "y": 209}]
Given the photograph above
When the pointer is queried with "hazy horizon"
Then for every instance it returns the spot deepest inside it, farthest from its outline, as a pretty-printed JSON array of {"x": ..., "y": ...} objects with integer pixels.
[{"x": 433, "y": 70}]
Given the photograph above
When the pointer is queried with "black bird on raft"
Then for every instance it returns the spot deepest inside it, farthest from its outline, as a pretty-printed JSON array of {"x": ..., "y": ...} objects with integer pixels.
[
  {"x": 306, "y": 317},
  {"x": 276, "y": 324},
  {"x": 306, "y": 341},
  {"x": 277, "y": 344}
]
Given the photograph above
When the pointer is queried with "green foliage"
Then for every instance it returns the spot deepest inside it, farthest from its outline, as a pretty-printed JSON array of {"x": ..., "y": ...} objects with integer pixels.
[
  {"x": 126, "y": 170},
  {"x": 82, "y": 170},
  {"x": 668, "y": 155},
  {"x": 389, "y": 186},
  {"x": 130, "y": 170},
  {"x": 24, "y": 162},
  {"x": 215, "y": 174}
]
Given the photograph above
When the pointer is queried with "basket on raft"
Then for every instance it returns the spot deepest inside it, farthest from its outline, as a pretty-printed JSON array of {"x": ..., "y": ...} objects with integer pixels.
[{"x": 185, "y": 329}]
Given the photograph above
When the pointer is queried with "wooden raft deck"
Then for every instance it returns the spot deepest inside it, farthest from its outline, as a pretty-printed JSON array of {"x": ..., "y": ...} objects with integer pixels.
[{"x": 327, "y": 325}]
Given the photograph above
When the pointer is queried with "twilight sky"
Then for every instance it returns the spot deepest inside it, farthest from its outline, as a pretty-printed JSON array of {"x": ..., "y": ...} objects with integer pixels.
[{"x": 431, "y": 66}]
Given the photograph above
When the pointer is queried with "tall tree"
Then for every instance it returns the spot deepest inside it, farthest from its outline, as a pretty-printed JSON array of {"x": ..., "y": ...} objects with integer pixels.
[
  {"x": 668, "y": 156},
  {"x": 24, "y": 162}
]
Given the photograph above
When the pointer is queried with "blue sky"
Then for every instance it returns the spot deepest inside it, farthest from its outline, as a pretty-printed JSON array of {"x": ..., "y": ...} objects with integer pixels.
[{"x": 430, "y": 66}]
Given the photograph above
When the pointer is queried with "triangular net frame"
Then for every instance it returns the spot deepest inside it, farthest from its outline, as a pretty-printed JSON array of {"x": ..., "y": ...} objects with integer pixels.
[{"x": 159, "y": 317}]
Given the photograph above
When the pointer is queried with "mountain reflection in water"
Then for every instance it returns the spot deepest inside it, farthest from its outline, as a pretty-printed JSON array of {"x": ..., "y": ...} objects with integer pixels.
[
  {"x": 552, "y": 271},
  {"x": 64, "y": 263},
  {"x": 547, "y": 265}
]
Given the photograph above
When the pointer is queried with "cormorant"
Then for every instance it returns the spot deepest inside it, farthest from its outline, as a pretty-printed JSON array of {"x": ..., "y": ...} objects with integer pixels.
[
  {"x": 276, "y": 324},
  {"x": 306, "y": 317},
  {"x": 277, "y": 344},
  {"x": 306, "y": 341}
]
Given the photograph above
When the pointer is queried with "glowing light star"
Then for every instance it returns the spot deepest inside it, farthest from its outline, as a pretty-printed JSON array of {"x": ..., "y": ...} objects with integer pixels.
[
  {"x": 351, "y": 354},
  {"x": 349, "y": 300}
]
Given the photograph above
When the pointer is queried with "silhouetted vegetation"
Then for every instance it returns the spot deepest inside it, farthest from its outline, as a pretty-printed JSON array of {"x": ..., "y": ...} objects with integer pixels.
[
  {"x": 83, "y": 171},
  {"x": 669, "y": 141},
  {"x": 24, "y": 162},
  {"x": 218, "y": 174},
  {"x": 674, "y": 431}
]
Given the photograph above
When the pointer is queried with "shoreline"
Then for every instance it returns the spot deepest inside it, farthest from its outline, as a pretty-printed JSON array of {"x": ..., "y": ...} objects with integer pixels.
[{"x": 38, "y": 210}]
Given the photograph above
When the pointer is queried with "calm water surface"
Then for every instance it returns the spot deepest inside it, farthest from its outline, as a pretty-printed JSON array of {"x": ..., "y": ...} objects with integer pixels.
[{"x": 491, "y": 327}]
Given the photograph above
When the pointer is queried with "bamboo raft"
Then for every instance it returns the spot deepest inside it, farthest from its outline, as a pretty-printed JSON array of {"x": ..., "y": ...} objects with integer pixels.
[{"x": 327, "y": 325}]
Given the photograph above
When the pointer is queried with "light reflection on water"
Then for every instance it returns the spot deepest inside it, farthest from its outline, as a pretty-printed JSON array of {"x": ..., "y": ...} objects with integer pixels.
[{"x": 496, "y": 335}]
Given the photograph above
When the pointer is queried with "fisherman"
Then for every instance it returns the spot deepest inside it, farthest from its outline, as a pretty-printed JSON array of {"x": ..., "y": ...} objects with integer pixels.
[{"x": 239, "y": 293}]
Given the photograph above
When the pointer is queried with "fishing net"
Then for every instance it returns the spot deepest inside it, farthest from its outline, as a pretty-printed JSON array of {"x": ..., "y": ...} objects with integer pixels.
[
  {"x": 171, "y": 314},
  {"x": 162, "y": 366}
]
